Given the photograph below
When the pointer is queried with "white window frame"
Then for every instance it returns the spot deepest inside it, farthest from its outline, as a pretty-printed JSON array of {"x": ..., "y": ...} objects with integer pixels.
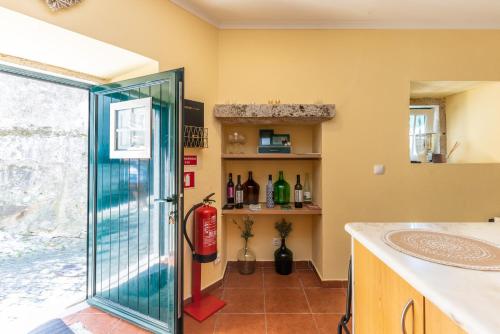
[{"x": 114, "y": 152}]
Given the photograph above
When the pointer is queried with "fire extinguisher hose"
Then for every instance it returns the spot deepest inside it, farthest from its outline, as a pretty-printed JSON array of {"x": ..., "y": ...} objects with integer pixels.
[{"x": 206, "y": 200}]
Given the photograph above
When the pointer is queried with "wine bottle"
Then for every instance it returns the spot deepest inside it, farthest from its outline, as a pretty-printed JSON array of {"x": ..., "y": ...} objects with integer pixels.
[
  {"x": 307, "y": 190},
  {"x": 230, "y": 189},
  {"x": 251, "y": 191},
  {"x": 299, "y": 195},
  {"x": 239, "y": 194},
  {"x": 270, "y": 192},
  {"x": 281, "y": 190}
]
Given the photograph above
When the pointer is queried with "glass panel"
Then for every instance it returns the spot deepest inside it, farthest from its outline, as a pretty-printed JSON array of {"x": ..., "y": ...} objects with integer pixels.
[{"x": 131, "y": 129}]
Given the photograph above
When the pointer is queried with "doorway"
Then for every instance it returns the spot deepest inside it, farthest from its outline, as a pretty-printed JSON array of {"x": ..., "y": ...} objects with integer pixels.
[
  {"x": 136, "y": 200},
  {"x": 43, "y": 202}
]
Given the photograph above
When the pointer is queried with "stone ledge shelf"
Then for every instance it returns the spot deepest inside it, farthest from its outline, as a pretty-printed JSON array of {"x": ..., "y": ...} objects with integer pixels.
[{"x": 274, "y": 113}]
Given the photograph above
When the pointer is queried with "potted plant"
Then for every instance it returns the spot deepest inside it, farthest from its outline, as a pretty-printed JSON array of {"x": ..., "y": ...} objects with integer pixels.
[
  {"x": 283, "y": 257},
  {"x": 246, "y": 257}
]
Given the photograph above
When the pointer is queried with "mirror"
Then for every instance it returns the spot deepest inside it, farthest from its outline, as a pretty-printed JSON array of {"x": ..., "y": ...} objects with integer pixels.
[{"x": 454, "y": 122}]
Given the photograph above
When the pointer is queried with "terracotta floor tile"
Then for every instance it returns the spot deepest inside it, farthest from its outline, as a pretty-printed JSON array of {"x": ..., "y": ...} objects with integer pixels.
[
  {"x": 275, "y": 280},
  {"x": 191, "y": 326},
  {"x": 291, "y": 324},
  {"x": 309, "y": 278},
  {"x": 240, "y": 324},
  {"x": 286, "y": 301},
  {"x": 327, "y": 323},
  {"x": 302, "y": 265},
  {"x": 124, "y": 327},
  {"x": 326, "y": 300},
  {"x": 216, "y": 292},
  {"x": 91, "y": 309},
  {"x": 243, "y": 301},
  {"x": 95, "y": 323},
  {"x": 236, "y": 280}
]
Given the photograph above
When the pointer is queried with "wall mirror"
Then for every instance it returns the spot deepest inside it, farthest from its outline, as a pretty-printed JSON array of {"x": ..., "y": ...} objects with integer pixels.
[{"x": 454, "y": 122}]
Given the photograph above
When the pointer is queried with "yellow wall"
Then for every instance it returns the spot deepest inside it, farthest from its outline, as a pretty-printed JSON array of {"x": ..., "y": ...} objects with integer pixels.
[
  {"x": 164, "y": 32},
  {"x": 472, "y": 119},
  {"x": 367, "y": 74}
]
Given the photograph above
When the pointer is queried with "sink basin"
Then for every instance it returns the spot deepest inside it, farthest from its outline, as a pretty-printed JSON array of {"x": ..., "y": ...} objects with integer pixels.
[{"x": 447, "y": 249}]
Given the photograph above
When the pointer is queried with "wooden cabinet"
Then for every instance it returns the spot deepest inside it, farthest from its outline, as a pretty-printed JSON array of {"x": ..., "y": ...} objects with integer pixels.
[
  {"x": 384, "y": 302},
  {"x": 437, "y": 322},
  {"x": 381, "y": 298}
]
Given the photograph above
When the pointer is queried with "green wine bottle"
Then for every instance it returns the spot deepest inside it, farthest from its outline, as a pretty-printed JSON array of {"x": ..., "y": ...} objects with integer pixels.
[{"x": 281, "y": 190}]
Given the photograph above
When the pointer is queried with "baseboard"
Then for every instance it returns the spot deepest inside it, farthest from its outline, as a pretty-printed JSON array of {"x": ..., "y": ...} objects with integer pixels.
[
  {"x": 298, "y": 265},
  {"x": 231, "y": 265},
  {"x": 207, "y": 290},
  {"x": 328, "y": 283}
]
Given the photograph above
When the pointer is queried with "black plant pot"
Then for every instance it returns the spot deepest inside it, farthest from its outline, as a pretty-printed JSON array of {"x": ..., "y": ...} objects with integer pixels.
[{"x": 283, "y": 259}]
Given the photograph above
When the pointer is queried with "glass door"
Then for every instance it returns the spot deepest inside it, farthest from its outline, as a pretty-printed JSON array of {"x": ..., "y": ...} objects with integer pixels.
[{"x": 135, "y": 200}]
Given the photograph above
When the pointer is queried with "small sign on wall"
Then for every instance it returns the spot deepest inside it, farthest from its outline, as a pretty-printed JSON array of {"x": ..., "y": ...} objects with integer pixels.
[
  {"x": 188, "y": 179},
  {"x": 190, "y": 160}
]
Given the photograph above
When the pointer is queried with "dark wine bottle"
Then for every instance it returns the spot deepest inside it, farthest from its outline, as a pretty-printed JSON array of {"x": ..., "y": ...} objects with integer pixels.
[
  {"x": 230, "y": 189},
  {"x": 251, "y": 190},
  {"x": 238, "y": 194},
  {"x": 299, "y": 194}
]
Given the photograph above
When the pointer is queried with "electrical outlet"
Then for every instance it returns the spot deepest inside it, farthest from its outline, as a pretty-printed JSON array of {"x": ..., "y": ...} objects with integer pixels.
[{"x": 276, "y": 242}]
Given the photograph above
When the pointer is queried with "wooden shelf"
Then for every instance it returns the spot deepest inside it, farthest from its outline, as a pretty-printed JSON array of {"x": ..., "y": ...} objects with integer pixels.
[
  {"x": 277, "y": 210},
  {"x": 272, "y": 156}
]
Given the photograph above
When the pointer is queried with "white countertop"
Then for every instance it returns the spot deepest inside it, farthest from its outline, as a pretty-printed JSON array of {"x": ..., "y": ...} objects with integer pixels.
[{"x": 470, "y": 297}]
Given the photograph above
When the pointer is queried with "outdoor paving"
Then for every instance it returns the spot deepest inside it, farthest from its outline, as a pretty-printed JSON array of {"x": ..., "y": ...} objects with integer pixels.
[{"x": 40, "y": 277}]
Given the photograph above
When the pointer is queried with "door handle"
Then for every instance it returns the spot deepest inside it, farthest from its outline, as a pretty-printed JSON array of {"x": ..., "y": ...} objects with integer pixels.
[
  {"x": 170, "y": 199},
  {"x": 403, "y": 316}
]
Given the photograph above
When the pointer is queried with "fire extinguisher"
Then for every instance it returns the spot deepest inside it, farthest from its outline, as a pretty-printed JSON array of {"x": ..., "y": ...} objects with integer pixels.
[{"x": 204, "y": 248}]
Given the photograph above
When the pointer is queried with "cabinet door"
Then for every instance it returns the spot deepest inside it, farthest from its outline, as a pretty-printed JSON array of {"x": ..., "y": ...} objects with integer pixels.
[
  {"x": 436, "y": 322},
  {"x": 381, "y": 297}
]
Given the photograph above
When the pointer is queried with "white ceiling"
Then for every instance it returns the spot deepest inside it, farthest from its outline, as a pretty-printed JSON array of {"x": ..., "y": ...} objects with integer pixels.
[
  {"x": 28, "y": 38},
  {"x": 404, "y": 14},
  {"x": 440, "y": 89}
]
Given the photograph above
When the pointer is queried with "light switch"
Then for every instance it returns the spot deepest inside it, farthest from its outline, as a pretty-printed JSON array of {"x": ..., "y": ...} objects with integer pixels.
[{"x": 379, "y": 169}]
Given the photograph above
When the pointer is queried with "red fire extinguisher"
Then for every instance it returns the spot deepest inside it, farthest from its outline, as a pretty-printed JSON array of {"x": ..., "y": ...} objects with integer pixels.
[
  {"x": 204, "y": 250},
  {"x": 204, "y": 230}
]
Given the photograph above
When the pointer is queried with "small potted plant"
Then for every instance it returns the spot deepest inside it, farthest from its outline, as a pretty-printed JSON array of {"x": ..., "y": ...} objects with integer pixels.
[
  {"x": 283, "y": 257},
  {"x": 246, "y": 257}
]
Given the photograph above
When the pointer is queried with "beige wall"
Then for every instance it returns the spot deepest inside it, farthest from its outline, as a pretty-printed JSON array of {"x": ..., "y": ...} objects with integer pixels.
[
  {"x": 168, "y": 34},
  {"x": 473, "y": 117},
  {"x": 367, "y": 74}
]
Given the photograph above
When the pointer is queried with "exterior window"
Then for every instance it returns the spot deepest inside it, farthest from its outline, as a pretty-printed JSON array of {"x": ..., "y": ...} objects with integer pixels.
[
  {"x": 130, "y": 131},
  {"x": 424, "y": 133}
]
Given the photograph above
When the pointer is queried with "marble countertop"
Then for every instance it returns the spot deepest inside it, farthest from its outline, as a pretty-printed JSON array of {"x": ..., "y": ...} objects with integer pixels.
[{"x": 470, "y": 297}]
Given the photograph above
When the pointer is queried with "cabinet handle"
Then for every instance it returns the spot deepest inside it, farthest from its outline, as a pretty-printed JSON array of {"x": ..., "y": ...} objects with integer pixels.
[{"x": 403, "y": 316}]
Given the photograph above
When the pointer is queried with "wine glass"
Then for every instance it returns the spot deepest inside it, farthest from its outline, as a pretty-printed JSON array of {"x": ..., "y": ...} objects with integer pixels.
[{"x": 236, "y": 141}]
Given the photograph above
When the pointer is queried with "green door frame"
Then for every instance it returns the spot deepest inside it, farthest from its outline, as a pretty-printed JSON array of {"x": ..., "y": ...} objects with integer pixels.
[{"x": 127, "y": 314}]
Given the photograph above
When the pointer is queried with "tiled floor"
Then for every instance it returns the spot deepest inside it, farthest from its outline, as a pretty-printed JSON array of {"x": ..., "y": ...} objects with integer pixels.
[
  {"x": 98, "y": 322},
  {"x": 266, "y": 302},
  {"x": 263, "y": 302}
]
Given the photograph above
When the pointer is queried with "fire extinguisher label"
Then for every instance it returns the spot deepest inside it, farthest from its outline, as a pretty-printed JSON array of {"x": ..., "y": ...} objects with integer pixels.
[{"x": 210, "y": 231}]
